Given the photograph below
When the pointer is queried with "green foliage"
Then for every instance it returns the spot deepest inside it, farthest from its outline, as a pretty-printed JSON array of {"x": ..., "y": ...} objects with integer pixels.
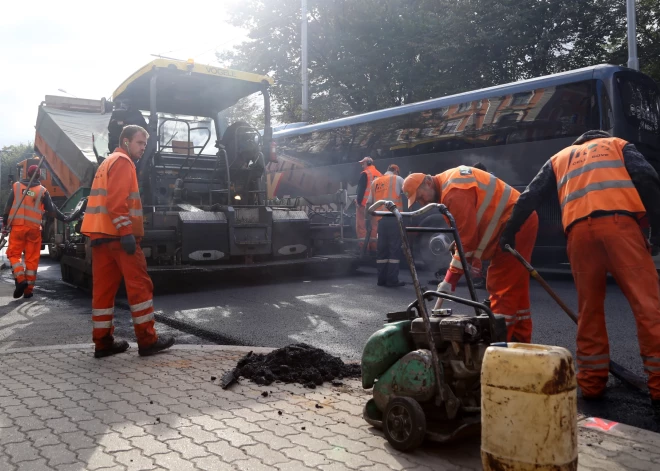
[
  {"x": 249, "y": 109},
  {"x": 370, "y": 54},
  {"x": 11, "y": 156}
]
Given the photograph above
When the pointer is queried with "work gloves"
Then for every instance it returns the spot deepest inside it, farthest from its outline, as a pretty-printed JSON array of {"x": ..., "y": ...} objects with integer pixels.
[
  {"x": 507, "y": 239},
  {"x": 128, "y": 244},
  {"x": 446, "y": 287},
  {"x": 654, "y": 241}
]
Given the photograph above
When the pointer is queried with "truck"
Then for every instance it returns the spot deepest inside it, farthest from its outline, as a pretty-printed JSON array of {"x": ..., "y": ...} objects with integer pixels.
[{"x": 202, "y": 179}]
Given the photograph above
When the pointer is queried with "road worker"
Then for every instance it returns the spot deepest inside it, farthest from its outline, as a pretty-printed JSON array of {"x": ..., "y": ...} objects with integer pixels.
[
  {"x": 25, "y": 221},
  {"x": 605, "y": 187},
  {"x": 369, "y": 172},
  {"x": 481, "y": 205},
  {"x": 388, "y": 187},
  {"x": 478, "y": 276},
  {"x": 114, "y": 223}
]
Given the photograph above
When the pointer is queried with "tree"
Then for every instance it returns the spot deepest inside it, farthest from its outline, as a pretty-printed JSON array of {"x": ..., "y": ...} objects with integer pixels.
[
  {"x": 368, "y": 54},
  {"x": 11, "y": 156},
  {"x": 249, "y": 109}
]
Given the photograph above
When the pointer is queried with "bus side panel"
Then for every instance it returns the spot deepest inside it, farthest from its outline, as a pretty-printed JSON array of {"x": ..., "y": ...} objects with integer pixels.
[{"x": 516, "y": 164}]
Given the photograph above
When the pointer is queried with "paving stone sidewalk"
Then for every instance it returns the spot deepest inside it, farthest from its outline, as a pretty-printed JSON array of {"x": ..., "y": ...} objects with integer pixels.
[{"x": 61, "y": 409}]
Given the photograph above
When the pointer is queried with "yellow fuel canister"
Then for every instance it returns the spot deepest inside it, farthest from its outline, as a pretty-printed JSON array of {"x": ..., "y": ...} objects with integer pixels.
[{"x": 528, "y": 409}]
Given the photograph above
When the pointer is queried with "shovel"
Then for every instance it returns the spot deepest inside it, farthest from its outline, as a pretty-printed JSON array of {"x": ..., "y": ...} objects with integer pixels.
[{"x": 617, "y": 370}]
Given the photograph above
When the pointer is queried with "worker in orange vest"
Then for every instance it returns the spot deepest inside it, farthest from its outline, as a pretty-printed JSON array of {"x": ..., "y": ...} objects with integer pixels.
[
  {"x": 388, "y": 187},
  {"x": 114, "y": 223},
  {"x": 481, "y": 205},
  {"x": 25, "y": 221},
  {"x": 605, "y": 187},
  {"x": 369, "y": 172},
  {"x": 478, "y": 272}
]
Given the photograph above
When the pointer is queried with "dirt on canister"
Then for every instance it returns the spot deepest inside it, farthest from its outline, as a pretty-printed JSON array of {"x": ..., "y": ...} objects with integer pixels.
[{"x": 297, "y": 363}]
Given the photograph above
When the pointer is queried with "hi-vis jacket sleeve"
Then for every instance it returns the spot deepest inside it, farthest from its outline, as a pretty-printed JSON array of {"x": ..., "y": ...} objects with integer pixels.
[
  {"x": 119, "y": 185},
  {"x": 462, "y": 204}
]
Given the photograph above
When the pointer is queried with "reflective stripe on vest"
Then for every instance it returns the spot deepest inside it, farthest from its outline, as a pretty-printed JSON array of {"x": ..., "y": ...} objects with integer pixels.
[
  {"x": 384, "y": 188},
  {"x": 593, "y": 177},
  {"x": 371, "y": 172},
  {"x": 97, "y": 218},
  {"x": 31, "y": 211},
  {"x": 495, "y": 201}
]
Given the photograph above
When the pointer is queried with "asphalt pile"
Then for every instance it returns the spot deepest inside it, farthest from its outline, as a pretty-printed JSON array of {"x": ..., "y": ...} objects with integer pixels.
[{"x": 298, "y": 363}]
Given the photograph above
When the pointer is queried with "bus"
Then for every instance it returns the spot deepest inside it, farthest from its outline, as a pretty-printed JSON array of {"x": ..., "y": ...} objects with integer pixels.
[{"x": 513, "y": 129}]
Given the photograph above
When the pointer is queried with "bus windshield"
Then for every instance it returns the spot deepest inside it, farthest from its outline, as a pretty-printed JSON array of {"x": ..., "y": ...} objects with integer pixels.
[{"x": 641, "y": 107}]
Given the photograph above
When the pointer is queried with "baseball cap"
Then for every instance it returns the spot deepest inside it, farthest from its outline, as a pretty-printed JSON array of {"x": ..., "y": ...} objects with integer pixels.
[
  {"x": 367, "y": 160},
  {"x": 31, "y": 170},
  {"x": 394, "y": 168},
  {"x": 410, "y": 186}
]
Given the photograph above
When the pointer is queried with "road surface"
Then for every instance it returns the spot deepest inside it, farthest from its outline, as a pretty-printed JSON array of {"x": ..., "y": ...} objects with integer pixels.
[{"x": 334, "y": 313}]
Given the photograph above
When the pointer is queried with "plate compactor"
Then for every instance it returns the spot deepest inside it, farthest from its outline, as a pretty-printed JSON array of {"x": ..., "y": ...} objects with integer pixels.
[{"x": 425, "y": 370}]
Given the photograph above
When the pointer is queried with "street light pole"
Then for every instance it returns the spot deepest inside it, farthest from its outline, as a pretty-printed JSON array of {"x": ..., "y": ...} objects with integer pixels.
[
  {"x": 303, "y": 47},
  {"x": 633, "y": 61}
]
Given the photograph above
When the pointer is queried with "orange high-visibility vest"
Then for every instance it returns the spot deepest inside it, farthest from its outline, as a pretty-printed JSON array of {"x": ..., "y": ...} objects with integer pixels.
[
  {"x": 593, "y": 177},
  {"x": 372, "y": 172},
  {"x": 31, "y": 211},
  {"x": 495, "y": 201},
  {"x": 385, "y": 189},
  {"x": 97, "y": 218}
]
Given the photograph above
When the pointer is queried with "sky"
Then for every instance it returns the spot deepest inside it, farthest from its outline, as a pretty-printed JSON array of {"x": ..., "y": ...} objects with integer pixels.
[{"x": 89, "y": 48}]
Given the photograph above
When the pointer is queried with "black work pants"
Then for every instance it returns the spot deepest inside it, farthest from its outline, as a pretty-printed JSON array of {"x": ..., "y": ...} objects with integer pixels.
[{"x": 389, "y": 251}]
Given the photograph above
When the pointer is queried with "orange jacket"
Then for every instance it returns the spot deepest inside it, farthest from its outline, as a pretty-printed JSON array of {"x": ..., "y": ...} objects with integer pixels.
[
  {"x": 31, "y": 211},
  {"x": 114, "y": 207},
  {"x": 481, "y": 205},
  {"x": 371, "y": 172},
  {"x": 593, "y": 177},
  {"x": 384, "y": 188}
]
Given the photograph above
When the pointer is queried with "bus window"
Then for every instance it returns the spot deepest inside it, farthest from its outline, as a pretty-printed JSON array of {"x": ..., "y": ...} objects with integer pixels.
[
  {"x": 606, "y": 113},
  {"x": 533, "y": 115},
  {"x": 380, "y": 139},
  {"x": 641, "y": 107},
  {"x": 314, "y": 149}
]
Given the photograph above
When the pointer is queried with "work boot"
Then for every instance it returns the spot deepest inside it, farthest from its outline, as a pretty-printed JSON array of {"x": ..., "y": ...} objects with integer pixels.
[
  {"x": 163, "y": 343},
  {"x": 28, "y": 295},
  {"x": 20, "y": 288},
  {"x": 118, "y": 346},
  {"x": 397, "y": 284}
]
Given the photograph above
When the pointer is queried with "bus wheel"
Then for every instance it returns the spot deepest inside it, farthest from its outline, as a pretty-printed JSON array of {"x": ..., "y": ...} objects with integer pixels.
[{"x": 431, "y": 247}]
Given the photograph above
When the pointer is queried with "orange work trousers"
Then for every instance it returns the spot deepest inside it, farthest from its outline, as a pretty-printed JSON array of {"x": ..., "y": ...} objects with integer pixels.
[
  {"x": 613, "y": 244},
  {"x": 507, "y": 282},
  {"x": 361, "y": 228},
  {"x": 109, "y": 265},
  {"x": 25, "y": 239}
]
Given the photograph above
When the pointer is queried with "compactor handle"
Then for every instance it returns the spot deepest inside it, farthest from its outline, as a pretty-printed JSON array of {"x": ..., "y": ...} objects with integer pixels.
[{"x": 429, "y": 207}]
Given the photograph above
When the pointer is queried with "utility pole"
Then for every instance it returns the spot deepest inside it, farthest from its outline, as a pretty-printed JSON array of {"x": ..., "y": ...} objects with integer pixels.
[
  {"x": 303, "y": 60},
  {"x": 633, "y": 61}
]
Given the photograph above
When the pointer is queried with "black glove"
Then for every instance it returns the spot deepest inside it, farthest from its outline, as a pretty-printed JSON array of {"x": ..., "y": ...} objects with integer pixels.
[
  {"x": 655, "y": 244},
  {"x": 507, "y": 239},
  {"x": 128, "y": 244}
]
